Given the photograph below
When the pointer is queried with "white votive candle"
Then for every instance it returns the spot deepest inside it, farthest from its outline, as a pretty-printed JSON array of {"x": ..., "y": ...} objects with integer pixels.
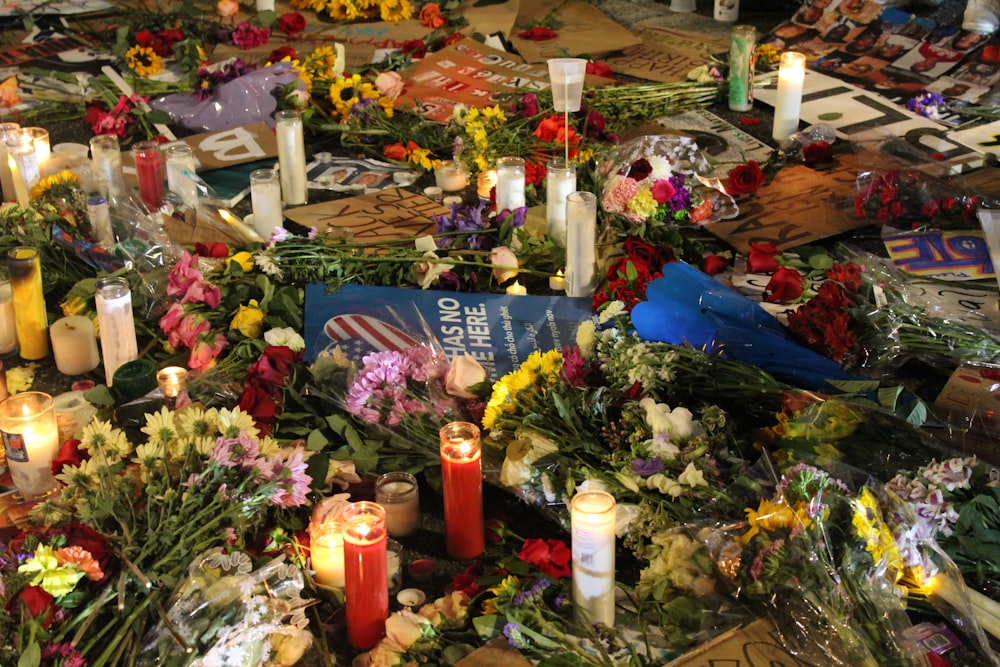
[
  {"x": 106, "y": 154},
  {"x": 517, "y": 289},
  {"x": 560, "y": 180},
  {"x": 180, "y": 173},
  {"x": 788, "y": 99},
  {"x": 398, "y": 494},
  {"x": 581, "y": 243},
  {"x": 451, "y": 176},
  {"x": 6, "y": 180},
  {"x": 326, "y": 553},
  {"x": 510, "y": 183},
  {"x": 40, "y": 140},
  {"x": 485, "y": 182},
  {"x": 557, "y": 283},
  {"x": 171, "y": 380},
  {"x": 592, "y": 521},
  {"x": 114, "y": 317},
  {"x": 291, "y": 157},
  {"x": 265, "y": 196},
  {"x": 31, "y": 440},
  {"x": 74, "y": 345},
  {"x": 8, "y": 327}
]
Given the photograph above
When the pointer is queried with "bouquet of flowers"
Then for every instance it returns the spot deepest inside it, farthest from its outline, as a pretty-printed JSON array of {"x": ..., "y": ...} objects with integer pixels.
[
  {"x": 912, "y": 198},
  {"x": 660, "y": 180}
]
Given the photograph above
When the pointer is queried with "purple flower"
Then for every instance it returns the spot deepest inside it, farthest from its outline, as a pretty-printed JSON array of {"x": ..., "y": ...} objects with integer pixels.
[
  {"x": 512, "y": 631},
  {"x": 646, "y": 467},
  {"x": 529, "y": 105},
  {"x": 294, "y": 483},
  {"x": 681, "y": 200},
  {"x": 929, "y": 105}
]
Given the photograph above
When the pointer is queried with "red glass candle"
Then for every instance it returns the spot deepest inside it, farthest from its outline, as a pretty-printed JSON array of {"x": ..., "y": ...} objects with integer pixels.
[
  {"x": 462, "y": 483},
  {"x": 149, "y": 173},
  {"x": 366, "y": 580}
]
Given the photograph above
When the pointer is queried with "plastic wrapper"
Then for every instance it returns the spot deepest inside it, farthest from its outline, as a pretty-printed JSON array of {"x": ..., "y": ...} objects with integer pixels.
[
  {"x": 228, "y": 612},
  {"x": 907, "y": 196},
  {"x": 661, "y": 180}
]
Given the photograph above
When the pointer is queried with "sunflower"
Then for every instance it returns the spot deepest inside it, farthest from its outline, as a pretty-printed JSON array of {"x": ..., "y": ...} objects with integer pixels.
[
  {"x": 143, "y": 61},
  {"x": 64, "y": 178},
  {"x": 348, "y": 91}
]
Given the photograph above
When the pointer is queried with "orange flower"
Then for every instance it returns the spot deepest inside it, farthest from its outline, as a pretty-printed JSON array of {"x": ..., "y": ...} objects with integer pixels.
[
  {"x": 431, "y": 16},
  {"x": 81, "y": 558},
  {"x": 227, "y": 8},
  {"x": 395, "y": 152},
  {"x": 8, "y": 93}
]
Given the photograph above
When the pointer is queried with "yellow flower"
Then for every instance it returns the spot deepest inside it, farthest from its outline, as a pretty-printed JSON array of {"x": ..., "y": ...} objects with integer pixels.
[
  {"x": 505, "y": 588},
  {"x": 395, "y": 10},
  {"x": 143, "y": 61},
  {"x": 248, "y": 320},
  {"x": 643, "y": 204},
  {"x": 73, "y": 306},
  {"x": 64, "y": 177},
  {"x": 244, "y": 259},
  {"x": 869, "y": 526},
  {"x": 56, "y": 578},
  {"x": 421, "y": 158},
  {"x": 771, "y": 516}
]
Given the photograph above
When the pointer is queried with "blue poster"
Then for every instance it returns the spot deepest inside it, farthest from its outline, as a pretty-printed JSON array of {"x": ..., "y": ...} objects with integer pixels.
[{"x": 498, "y": 330}]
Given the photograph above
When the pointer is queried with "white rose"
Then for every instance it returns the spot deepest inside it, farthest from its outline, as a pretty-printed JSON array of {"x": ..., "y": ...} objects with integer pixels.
[
  {"x": 285, "y": 336},
  {"x": 405, "y": 627},
  {"x": 515, "y": 473},
  {"x": 289, "y": 647},
  {"x": 504, "y": 262},
  {"x": 428, "y": 272},
  {"x": 463, "y": 372},
  {"x": 692, "y": 476},
  {"x": 538, "y": 445}
]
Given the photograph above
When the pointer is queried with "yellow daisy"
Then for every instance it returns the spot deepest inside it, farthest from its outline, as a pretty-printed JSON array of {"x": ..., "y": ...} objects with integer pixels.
[
  {"x": 143, "y": 61},
  {"x": 235, "y": 421}
]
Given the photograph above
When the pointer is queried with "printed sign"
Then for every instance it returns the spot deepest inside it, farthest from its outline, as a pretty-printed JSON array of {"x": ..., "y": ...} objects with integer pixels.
[
  {"x": 498, "y": 330},
  {"x": 756, "y": 645},
  {"x": 951, "y": 255},
  {"x": 387, "y": 214}
]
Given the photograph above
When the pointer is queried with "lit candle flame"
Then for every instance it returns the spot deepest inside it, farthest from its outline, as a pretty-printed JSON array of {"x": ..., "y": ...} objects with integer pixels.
[{"x": 240, "y": 227}]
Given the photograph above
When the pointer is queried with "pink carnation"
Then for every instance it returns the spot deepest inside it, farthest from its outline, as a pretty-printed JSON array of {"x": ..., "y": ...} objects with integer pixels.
[
  {"x": 247, "y": 37},
  {"x": 616, "y": 199},
  {"x": 663, "y": 191}
]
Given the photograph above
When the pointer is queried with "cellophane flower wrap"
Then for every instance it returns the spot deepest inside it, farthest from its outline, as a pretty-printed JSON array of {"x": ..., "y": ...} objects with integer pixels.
[
  {"x": 909, "y": 197},
  {"x": 658, "y": 180},
  {"x": 226, "y": 612}
]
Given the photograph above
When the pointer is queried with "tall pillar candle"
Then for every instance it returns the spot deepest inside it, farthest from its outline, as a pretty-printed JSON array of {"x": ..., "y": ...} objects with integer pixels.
[
  {"x": 265, "y": 196},
  {"x": 366, "y": 577},
  {"x": 399, "y": 496},
  {"x": 40, "y": 140},
  {"x": 31, "y": 441},
  {"x": 106, "y": 155},
  {"x": 592, "y": 524},
  {"x": 30, "y": 320},
  {"x": 462, "y": 486},
  {"x": 180, "y": 171},
  {"x": 788, "y": 99},
  {"x": 74, "y": 345},
  {"x": 8, "y": 325},
  {"x": 581, "y": 243},
  {"x": 114, "y": 318},
  {"x": 743, "y": 41},
  {"x": 326, "y": 552},
  {"x": 99, "y": 214},
  {"x": 23, "y": 163},
  {"x": 149, "y": 173},
  {"x": 291, "y": 157},
  {"x": 6, "y": 179},
  {"x": 510, "y": 183},
  {"x": 560, "y": 180}
]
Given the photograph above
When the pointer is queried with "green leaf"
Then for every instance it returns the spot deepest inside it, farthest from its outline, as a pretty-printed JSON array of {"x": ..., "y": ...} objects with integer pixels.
[
  {"x": 99, "y": 396},
  {"x": 832, "y": 115},
  {"x": 267, "y": 18},
  {"x": 855, "y": 386},
  {"x": 488, "y": 627},
  {"x": 316, "y": 441},
  {"x": 32, "y": 656},
  {"x": 888, "y": 396}
]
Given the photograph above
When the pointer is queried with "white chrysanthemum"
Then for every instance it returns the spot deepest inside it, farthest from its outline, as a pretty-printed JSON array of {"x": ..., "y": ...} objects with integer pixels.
[
  {"x": 95, "y": 435},
  {"x": 49, "y": 513},
  {"x": 285, "y": 336},
  {"x": 84, "y": 477},
  {"x": 196, "y": 421},
  {"x": 585, "y": 338},
  {"x": 265, "y": 262},
  {"x": 150, "y": 457},
  {"x": 661, "y": 167},
  {"x": 204, "y": 445},
  {"x": 611, "y": 310},
  {"x": 178, "y": 448},
  {"x": 160, "y": 426},
  {"x": 235, "y": 421}
]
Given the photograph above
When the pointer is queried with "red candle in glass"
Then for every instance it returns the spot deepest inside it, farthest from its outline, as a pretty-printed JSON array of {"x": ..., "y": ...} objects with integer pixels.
[
  {"x": 149, "y": 173},
  {"x": 462, "y": 483},
  {"x": 366, "y": 579}
]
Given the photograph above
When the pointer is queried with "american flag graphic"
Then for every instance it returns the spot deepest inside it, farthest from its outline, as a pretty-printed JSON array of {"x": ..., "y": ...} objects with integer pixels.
[{"x": 360, "y": 334}]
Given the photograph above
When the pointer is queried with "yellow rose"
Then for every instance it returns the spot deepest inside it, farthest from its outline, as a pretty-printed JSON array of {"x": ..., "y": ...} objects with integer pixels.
[
  {"x": 244, "y": 259},
  {"x": 248, "y": 320}
]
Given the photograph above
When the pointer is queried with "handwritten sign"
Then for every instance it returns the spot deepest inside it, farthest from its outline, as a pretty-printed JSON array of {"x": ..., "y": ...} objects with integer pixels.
[
  {"x": 583, "y": 29},
  {"x": 664, "y": 55},
  {"x": 799, "y": 206},
  {"x": 388, "y": 214},
  {"x": 248, "y": 143},
  {"x": 756, "y": 645},
  {"x": 951, "y": 255}
]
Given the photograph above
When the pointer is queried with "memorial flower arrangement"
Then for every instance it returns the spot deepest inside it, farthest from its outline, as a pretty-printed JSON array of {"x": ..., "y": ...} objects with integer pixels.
[
  {"x": 904, "y": 197},
  {"x": 147, "y": 510}
]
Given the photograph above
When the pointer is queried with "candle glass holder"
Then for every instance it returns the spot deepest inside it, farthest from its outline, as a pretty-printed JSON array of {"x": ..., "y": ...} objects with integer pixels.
[
  {"x": 21, "y": 154},
  {"x": 398, "y": 494},
  {"x": 485, "y": 182},
  {"x": 291, "y": 157},
  {"x": 394, "y": 556},
  {"x": 592, "y": 523},
  {"x": 451, "y": 176},
  {"x": 560, "y": 180},
  {"x": 149, "y": 173},
  {"x": 115, "y": 320},
  {"x": 326, "y": 552},
  {"x": 172, "y": 380},
  {"x": 30, "y": 319},
  {"x": 366, "y": 580},
  {"x": 511, "y": 173},
  {"x": 8, "y": 324},
  {"x": 181, "y": 169},
  {"x": 7, "y": 130},
  {"x": 40, "y": 141},
  {"x": 743, "y": 41},
  {"x": 106, "y": 155},
  {"x": 31, "y": 441},
  {"x": 462, "y": 487},
  {"x": 265, "y": 196},
  {"x": 581, "y": 243}
]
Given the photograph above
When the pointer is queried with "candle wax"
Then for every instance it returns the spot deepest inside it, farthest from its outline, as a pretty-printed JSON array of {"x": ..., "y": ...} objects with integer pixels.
[
  {"x": 462, "y": 484},
  {"x": 366, "y": 588}
]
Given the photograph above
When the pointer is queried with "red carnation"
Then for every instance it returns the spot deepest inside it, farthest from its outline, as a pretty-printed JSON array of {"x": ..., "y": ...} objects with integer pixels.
[{"x": 714, "y": 264}]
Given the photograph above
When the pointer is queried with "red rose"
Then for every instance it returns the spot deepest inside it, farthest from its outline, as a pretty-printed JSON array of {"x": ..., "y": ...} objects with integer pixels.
[
  {"x": 785, "y": 286},
  {"x": 599, "y": 69},
  {"x": 550, "y": 556},
  {"x": 817, "y": 152},
  {"x": 454, "y": 38},
  {"x": 745, "y": 179},
  {"x": 69, "y": 455},
  {"x": 640, "y": 250},
  {"x": 39, "y": 603},
  {"x": 395, "y": 152},
  {"x": 538, "y": 34},
  {"x": 714, "y": 264},
  {"x": 281, "y": 53},
  {"x": 259, "y": 404},
  {"x": 214, "y": 250},
  {"x": 534, "y": 172},
  {"x": 763, "y": 258},
  {"x": 414, "y": 48},
  {"x": 292, "y": 23}
]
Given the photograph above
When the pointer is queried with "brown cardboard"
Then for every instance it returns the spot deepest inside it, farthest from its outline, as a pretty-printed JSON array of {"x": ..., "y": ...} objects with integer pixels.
[
  {"x": 583, "y": 30},
  {"x": 664, "y": 54},
  {"x": 225, "y": 148},
  {"x": 756, "y": 644},
  {"x": 388, "y": 214},
  {"x": 801, "y": 205}
]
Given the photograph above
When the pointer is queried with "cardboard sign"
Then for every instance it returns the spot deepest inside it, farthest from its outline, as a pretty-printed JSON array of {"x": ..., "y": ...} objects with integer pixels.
[
  {"x": 799, "y": 206},
  {"x": 248, "y": 143},
  {"x": 972, "y": 393},
  {"x": 388, "y": 214},
  {"x": 665, "y": 54},
  {"x": 583, "y": 29},
  {"x": 755, "y": 645},
  {"x": 951, "y": 255},
  {"x": 466, "y": 73},
  {"x": 498, "y": 330}
]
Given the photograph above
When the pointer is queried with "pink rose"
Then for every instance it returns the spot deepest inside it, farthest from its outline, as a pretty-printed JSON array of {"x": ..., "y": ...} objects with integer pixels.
[
  {"x": 389, "y": 84},
  {"x": 172, "y": 319},
  {"x": 227, "y": 8},
  {"x": 187, "y": 332},
  {"x": 464, "y": 372},
  {"x": 203, "y": 354},
  {"x": 505, "y": 263}
]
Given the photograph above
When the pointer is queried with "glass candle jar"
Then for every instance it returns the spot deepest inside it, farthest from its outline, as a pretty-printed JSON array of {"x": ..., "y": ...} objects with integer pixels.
[
  {"x": 149, "y": 173},
  {"x": 462, "y": 487},
  {"x": 366, "y": 578},
  {"x": 30, "y": 318},
  {"x": 31, "y": 441},
  {"x": 117, "y": 326},
  {"x": 398, "y": 494}
]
